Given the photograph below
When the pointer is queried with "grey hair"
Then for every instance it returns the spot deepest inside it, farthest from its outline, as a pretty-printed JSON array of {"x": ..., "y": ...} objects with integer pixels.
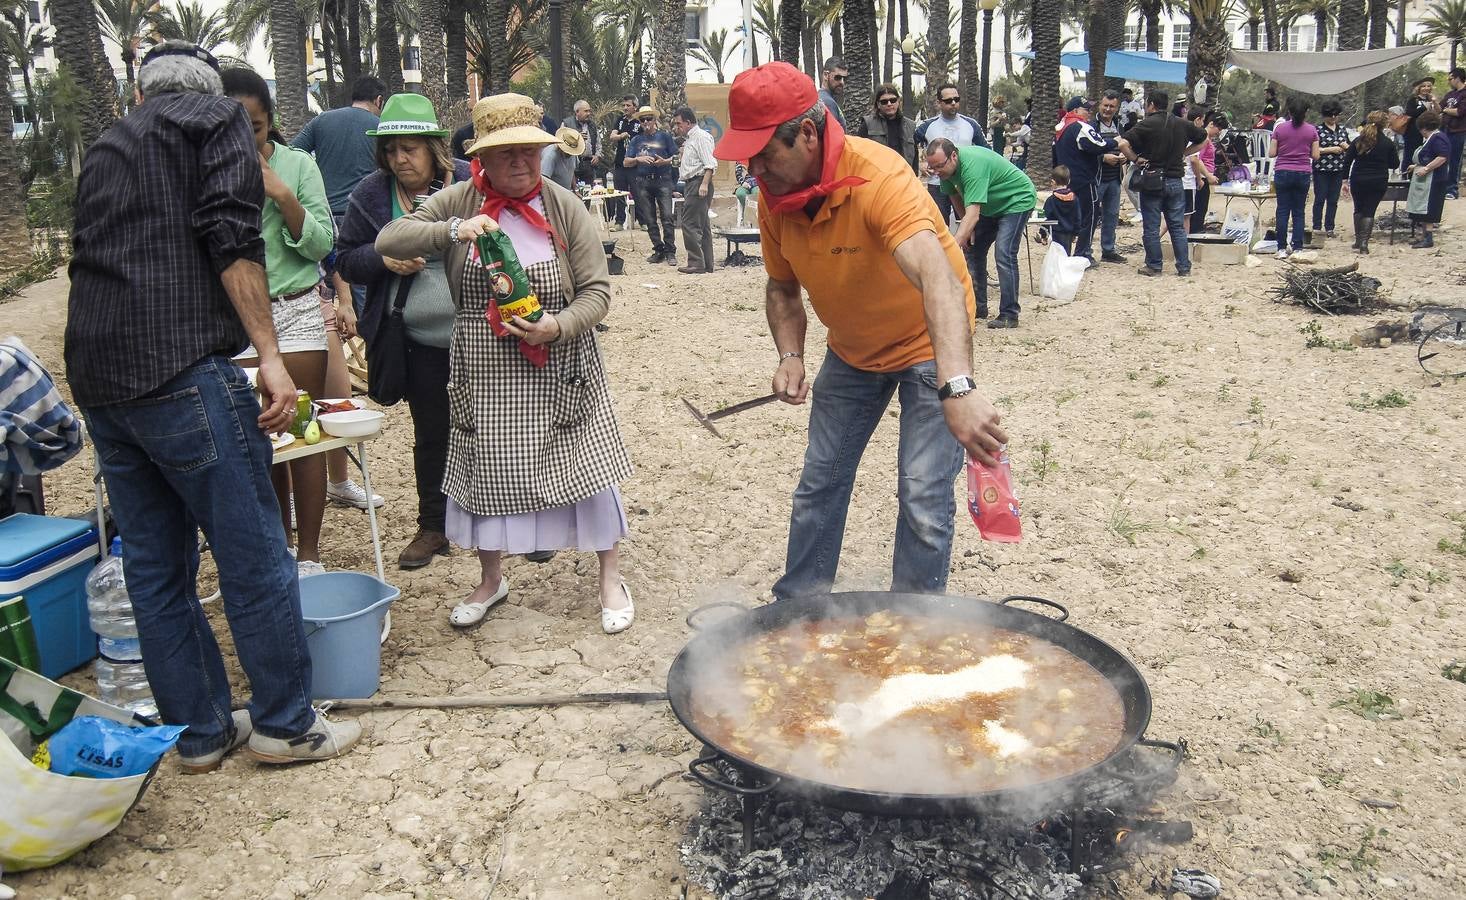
[
  {"x": 790, "y": 129},
  {"x": 178, "y": 74},
  {"x": 1111, "y": 95}
]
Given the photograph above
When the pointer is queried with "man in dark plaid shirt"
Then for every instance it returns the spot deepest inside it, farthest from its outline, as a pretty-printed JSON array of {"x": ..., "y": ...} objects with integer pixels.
[{"x": 167, "y": 283}]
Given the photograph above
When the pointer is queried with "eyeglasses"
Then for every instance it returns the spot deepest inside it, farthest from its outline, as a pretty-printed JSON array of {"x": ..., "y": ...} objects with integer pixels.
[
  {"x": 951, "y": 100},
  {"x": 885, "y": 100},
  {"x": 839, "y": 77}
]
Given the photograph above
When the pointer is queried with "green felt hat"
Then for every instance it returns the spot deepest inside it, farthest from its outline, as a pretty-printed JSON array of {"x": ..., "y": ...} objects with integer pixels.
[{"x": 408, "y": 114}]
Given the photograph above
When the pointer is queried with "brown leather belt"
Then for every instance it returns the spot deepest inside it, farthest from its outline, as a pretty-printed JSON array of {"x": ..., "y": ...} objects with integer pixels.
[{"x": 295, "y": 296}]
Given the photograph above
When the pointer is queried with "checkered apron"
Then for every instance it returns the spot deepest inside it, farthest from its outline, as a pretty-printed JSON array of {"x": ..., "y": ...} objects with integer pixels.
[{"x": 524, "y": 439}]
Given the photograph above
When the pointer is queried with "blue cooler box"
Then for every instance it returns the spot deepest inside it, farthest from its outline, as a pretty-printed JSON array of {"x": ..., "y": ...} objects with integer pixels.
[{"x": 47, "y": 560}]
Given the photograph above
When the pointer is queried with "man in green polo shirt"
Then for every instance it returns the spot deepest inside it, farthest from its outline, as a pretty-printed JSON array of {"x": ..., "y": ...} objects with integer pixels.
[{"x": 994, "y": 199}]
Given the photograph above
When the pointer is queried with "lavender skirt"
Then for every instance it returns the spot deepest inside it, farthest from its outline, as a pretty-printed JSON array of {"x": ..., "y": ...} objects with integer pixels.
[{"x": 596, "y": 523}]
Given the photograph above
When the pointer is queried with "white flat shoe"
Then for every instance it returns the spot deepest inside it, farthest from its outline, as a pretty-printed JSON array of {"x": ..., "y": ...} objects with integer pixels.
[
  {"x": 614, "y": 621},
  {"x": 466, "y": 614}
]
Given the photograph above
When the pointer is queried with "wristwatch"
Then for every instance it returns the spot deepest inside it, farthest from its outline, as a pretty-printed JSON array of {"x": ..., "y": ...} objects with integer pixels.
[{"x": 960, "y": 386}]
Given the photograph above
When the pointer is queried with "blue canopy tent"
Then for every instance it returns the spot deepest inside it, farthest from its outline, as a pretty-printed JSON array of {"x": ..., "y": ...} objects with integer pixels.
[{"x": 1131, "y": 65}]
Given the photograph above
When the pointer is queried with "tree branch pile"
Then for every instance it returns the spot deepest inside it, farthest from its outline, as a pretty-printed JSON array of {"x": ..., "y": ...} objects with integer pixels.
[{"x": 1339, "y": 291}]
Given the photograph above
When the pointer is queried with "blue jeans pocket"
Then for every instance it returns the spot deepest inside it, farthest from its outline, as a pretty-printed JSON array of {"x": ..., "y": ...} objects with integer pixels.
[{"x": 174, "y": 429}]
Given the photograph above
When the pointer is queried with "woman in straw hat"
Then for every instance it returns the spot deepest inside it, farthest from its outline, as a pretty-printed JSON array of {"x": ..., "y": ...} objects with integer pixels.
[
  {"x": 413, "y": 163},
  {"x": 534, "y": 452}
]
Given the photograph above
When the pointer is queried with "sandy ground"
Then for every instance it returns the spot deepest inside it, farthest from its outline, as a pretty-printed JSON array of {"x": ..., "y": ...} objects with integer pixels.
[{"x": 1198, "y": 489}]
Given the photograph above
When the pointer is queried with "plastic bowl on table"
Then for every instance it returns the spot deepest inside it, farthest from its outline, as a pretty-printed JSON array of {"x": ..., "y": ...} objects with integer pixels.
[{"x": 357, "y": 423}]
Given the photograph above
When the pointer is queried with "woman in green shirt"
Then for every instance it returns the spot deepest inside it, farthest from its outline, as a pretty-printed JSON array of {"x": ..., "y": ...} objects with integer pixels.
[{"x": 297, "y": 227}]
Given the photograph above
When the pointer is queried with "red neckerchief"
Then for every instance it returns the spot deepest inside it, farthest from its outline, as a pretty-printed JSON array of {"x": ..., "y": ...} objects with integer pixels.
[
  {"x": 494, "y": 204},
  {"x": 834, "y": 145},
  {"x": 1070, "y": 118}
]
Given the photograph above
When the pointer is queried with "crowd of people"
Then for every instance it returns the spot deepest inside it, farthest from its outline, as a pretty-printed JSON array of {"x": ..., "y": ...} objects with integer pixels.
[{"x": 204, "y": 241}]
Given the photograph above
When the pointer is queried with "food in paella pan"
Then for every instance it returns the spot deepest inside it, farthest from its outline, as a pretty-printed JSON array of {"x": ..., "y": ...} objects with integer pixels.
[{"x": 909, "y": 704}]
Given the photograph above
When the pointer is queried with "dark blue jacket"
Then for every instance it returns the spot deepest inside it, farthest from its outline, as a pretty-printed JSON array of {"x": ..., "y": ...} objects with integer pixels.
[
  {"x": 1080, "y": 147},
  {"x": 367, "y": 212},
  {"x": 1064, "y": 210}
]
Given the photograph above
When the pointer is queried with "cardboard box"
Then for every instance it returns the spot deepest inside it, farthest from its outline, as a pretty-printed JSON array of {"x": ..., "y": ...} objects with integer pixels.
[{"x": 1218, "y": 254}]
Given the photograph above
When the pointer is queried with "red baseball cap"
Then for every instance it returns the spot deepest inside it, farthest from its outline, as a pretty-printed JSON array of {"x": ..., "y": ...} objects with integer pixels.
[{"x": 762, "y": 99}]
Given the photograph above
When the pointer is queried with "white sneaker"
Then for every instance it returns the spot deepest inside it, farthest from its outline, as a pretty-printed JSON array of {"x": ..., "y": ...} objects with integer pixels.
[
  {"x": 1281, "y": 254},
  {"x": 349, "y": 493},
  {"x": 308, "y": 567}
]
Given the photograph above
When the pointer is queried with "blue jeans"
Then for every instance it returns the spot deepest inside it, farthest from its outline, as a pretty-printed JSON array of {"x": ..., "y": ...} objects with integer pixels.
[
  {"x": 944, "y": 206},
  {"x": 1458, "y": 143},
  {"x": 654, "y": 202},
  {"x": 1109, "y": 213},
  {"x": 1168, "y": 204},
  {"x": 1326, "y": 186},
  {"x": 190, "y": 455},
  {"x": 847, "y": 405},
  {"x": 1292, "y": 190},
  {"x": 1005, "y": 233}
]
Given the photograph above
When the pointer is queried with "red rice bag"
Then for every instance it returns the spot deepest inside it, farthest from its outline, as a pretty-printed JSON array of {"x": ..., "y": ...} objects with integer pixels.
[{"x": 993, "y": 501}]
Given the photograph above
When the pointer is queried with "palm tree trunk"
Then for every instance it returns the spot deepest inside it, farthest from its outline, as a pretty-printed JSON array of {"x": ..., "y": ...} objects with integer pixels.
[
  {"x": 967, "y": 71},
  {"x": 810, "y": 47},
  {"x": 1350, "y": 36},
  {"x": 351, "y": 63},
  {"x": 1045, "y": 71},
  {"x": 455, "y": 55},
  {"x": 837, "y": 39},
  {"x": 1206, "y": 55},
  {"x": 498, "y": 16},
  {"x": 859, "y": 21},
  {"x": 669, "y": 52},
  {"x": 1150, "y": 11},
  {"x": 1007, "y": 46},
  {"x": 938, "y": 48},
  {"x": 288, "y": 50},
  {"x": 1115, "y": 11},
  {"x": 15, "y": 237},
  {"x": 78, "y": 45},
  {"x": 389, "y": 48},
  {"x": 1096, "y": 43},
  {"x": 888, "y": 52},
  {"x": 1400, "y": 23},
  {"x": 791, "y": 24},
  {"x": 432, "y": 45},
  {"x": 1379, "y": 23},
  {"x": 1320, "y": 32},
  {"x": 328, "y": 62},
  {"x": 1271, "y": 31}
]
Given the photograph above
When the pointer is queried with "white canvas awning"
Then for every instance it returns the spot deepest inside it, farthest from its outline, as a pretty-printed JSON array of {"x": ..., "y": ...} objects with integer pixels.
[{"x": 1331, "y": 72}]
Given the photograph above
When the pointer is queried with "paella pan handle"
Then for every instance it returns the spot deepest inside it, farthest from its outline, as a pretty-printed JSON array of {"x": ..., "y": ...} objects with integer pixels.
[
  {"x": 701, "y": 769},
  {"x": 1163, "y": 775},
  {"x": 707, "y": 606},
  {"x": 1011, "y": 598}
]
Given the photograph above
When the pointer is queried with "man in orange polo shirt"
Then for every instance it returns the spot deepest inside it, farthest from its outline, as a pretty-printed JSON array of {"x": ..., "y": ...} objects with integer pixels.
[{"x": 845, "y": 219}]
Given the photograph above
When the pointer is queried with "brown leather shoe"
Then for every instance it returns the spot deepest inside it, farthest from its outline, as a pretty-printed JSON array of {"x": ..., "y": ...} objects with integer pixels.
[
  {"x": 424, "y": 546},
  {"x": 691, "y": 270}
]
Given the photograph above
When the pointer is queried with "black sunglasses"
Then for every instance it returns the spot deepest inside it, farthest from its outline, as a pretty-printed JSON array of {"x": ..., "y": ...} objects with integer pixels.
[
  {"x": 889, "y": 100},
  {"x": 951, "y": 100}
]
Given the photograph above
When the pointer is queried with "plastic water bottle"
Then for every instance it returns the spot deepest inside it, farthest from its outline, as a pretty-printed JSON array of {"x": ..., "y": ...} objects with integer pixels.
[{"x": 121, "y": 680}]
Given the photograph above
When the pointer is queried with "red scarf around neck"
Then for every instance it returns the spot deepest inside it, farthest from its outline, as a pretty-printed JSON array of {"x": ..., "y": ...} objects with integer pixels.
[
  {"x": 834, "y": 145},
  {"x": 494, "y": 205}
]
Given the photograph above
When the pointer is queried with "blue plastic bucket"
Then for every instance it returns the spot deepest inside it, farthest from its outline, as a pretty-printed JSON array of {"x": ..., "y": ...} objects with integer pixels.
[{"x": 343, "y": 614}]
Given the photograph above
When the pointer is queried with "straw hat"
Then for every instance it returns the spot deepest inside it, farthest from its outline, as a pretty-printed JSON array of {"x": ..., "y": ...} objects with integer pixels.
[
  {"x": 646, "y": 111},
  {"x": 508, "y": 120},
  {"x": 571, "y": 140},
  {"x": 408, "y": 114}
]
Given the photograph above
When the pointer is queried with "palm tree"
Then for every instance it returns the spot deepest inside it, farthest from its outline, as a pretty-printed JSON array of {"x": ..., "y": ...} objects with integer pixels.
[
  {"x": 187, "y": 20},
  {"x": 431, "y": 47},
  {"x": 1350, "y": 36},
  {"x": 1211, "y": 41},
  {"x": 791, "y": 25},
  {"x": 1446, "y": 22},
  {"x": 669, "y": 49},
  {"x": 389, "y": 46},
  {"x": 1379, "y": 22},
  {"x": 1012, "y": 10},
  {"x": 766, "y": 23},
  {"x": 967, "y": 73},
  {"x": 1252, "y": 12},
  {"x": 1097, "y": 44},
  {"x": 128, "y": 23},
  {"x": 498, "y": 50},
  {"x": 455, "y": 58},
  {"x": 1270, "y": 28},
  {"x": 714, "y": 53},
  {"x": 79, "y": 50},
  {"x": 287, "y": 50},
  {"x": 860, "y": 43},
  {"x": 1322, "y": 12},
  {"x": 938, "y": 56},
  {"x": 1044, "y": 25},
  {"x": 888, "y": 47},
  {"x": 1400, "y": 22},
  {"x": 15, "y": 240}
]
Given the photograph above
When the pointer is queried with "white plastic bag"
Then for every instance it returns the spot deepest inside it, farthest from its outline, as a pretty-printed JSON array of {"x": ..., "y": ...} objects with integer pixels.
[
  {"x": 1239, "y": 227},
  {"x": 1059, "y": 280}
]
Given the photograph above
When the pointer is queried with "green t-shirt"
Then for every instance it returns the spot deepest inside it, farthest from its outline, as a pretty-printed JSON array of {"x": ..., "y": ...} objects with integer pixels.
[
  {"x": 293, "y": 265},
  {"x": 987, "y": 179}
]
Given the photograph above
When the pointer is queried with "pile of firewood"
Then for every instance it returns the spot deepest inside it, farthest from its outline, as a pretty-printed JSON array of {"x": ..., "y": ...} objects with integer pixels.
[{"x": 1339, "y": 291}]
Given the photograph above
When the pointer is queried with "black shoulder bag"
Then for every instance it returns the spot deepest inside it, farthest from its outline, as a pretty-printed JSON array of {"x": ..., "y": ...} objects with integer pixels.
[{"x": 387, "y": 353}]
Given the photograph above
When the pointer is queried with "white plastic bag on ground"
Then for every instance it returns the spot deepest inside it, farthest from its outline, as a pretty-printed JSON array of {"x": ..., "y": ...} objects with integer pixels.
[
  {"x": 1239, "y": 227},
  {"x": 1059, "y": 280}
]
